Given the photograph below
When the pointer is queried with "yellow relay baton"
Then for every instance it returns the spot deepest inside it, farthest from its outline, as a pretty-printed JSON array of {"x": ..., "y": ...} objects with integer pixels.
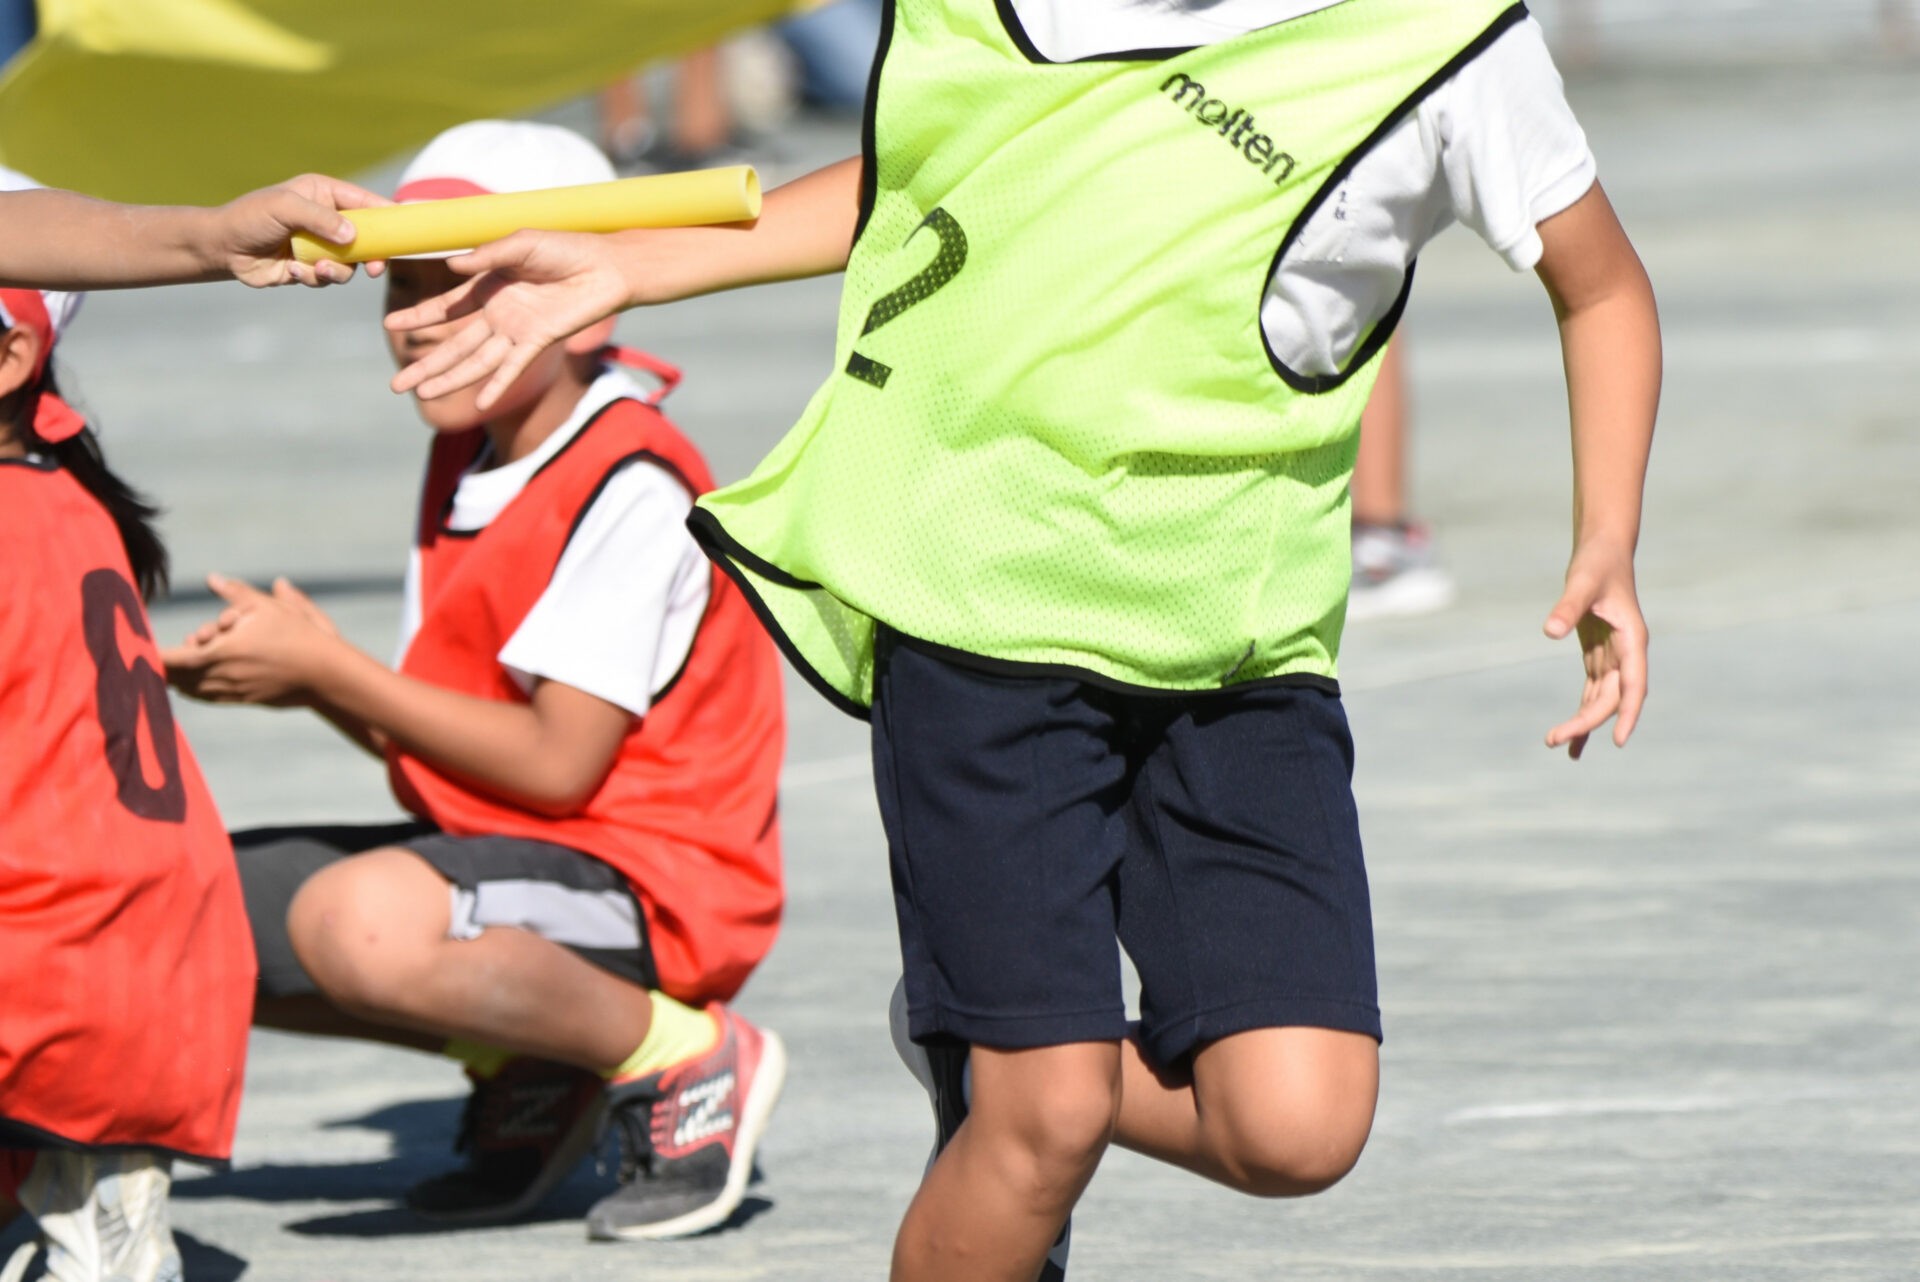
[{"x": 702, "y": 196}]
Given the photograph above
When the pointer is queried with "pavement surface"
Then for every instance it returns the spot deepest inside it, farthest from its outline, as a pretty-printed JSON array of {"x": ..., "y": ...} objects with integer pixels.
[{"x": 1649, "y": 1017}]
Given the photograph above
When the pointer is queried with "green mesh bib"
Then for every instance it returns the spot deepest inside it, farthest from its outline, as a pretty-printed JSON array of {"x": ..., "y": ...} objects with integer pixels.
[{"x": 1056, "y": 436}]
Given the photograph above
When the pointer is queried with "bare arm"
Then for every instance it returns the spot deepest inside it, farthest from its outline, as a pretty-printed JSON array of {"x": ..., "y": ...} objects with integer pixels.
[
  {"x": 363, "y": 736},
  {"x": 549, "y": 754},
  {"x": 534, "y": 288},
  {"x": 62, "y": 240},
  {"x": 805, "y": 228},
  {"x": 1610, "y": 340}
]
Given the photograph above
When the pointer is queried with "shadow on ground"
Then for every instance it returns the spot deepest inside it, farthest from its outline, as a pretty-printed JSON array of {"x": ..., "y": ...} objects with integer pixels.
[
  {"x": 421, "y": 1133},
  {"x": 569, "y": 1202}
]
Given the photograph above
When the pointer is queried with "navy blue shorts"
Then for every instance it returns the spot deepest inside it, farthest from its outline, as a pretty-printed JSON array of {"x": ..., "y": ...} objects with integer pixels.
[{"x": 1036, "y": 824}]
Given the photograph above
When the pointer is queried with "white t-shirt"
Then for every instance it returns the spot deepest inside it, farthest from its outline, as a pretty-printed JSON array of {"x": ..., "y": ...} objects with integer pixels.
[
  {"x": 618, "y": 618},
  {"x": 1496, "y": 148}
]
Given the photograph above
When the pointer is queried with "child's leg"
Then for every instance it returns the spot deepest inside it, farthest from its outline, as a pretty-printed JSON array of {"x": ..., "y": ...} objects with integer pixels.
[
  {"x": 315, "y": 1016},
  {"x": 450, "y": 936},
  {"x": 373, "y": 932},
  {"x": 1379, "y": 486},
  {"x": 1275, "y": 1112},
  {"x": 485, "y": 947},
  {"x": 1001, "y": 799},
  {"x": 992, "y": 1205},
  {"x": 274, "y": 863},
  {"x": 1244, "y": 904}
]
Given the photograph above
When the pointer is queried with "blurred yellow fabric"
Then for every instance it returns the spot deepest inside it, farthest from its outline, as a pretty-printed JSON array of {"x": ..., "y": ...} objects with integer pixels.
[{"x": 196, "y": 101}]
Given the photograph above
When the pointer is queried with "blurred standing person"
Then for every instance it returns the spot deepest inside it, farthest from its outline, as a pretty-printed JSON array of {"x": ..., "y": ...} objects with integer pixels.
[
  {"x": 833, "y": 47},
  {"x": 1395, "y": 571},
  {"x": 17, "y": 28},
  {"x": 699, "y": 132}
]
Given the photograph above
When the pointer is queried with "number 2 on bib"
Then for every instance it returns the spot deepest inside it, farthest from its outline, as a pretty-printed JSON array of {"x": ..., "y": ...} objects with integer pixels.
[{"x": 946, "y": 264}]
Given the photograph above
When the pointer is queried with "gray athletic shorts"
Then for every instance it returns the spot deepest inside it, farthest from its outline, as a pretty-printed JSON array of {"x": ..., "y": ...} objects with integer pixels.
[{"x": 555, "y": 892}]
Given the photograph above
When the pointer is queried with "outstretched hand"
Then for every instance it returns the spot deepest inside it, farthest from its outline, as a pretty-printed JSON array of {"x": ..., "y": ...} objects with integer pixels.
[
  {"x": 265, "y": 648},
  {"x": 1600, "y": 605},
  {"x": 528, "y": 291},
  {"x": 251, "y": 233}
]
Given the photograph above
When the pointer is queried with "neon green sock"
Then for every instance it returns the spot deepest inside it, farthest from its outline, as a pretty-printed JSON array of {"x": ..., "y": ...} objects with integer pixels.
[
  {"x": 677, "y": 1032},
  {"x": 485, "y": 1061}
]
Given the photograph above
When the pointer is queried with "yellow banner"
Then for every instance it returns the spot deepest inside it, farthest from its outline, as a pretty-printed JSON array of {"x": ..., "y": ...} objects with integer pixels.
[{"x": 196, "y": 101}]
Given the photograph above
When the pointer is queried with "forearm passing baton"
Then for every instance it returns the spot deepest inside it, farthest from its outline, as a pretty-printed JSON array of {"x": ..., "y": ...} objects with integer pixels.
[{"x": 728, "y": 195}]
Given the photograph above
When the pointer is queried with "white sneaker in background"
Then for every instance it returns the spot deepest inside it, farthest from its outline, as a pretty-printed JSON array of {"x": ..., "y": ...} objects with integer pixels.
[
  {"x": 1395, "y": 573},
  {"x": 103, "y": 1215}
]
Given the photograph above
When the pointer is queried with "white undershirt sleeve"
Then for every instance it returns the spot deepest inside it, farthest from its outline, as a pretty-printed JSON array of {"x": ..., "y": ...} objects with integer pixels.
[
  {"x": 1511, "y": 152},
  {"x": 618, "y": 618},
  {"x": 1495, "y": 147}
]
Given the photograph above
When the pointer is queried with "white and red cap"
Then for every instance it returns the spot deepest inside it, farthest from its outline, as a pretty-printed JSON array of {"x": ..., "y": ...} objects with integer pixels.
[
  {"x": 490, "y": 157},
  {"x": 46, "y": 312}
]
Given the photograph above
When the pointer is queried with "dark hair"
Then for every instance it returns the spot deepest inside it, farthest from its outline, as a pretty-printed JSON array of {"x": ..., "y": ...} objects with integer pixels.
[{"x": 80, "y": 456}]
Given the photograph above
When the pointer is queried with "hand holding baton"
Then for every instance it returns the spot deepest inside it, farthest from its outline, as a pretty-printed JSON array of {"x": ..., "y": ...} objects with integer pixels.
[{"x": 700, "y": 197}]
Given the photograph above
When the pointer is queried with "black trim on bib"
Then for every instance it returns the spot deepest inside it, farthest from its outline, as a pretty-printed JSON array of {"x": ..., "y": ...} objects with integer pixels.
[
  {"x": 732, "y": 557},
  {"x": 33, "y": 462},
  {"x": 693, "y": 492},
  {"x": 1086, "y": 676},
  {"x": 869, "y": 126},
  {"x": 1316, "y": 384},
  {"x": 618, "y": 466},
  {"x": 443, "y": 530},
  {"x": 1017, "y": 32}
]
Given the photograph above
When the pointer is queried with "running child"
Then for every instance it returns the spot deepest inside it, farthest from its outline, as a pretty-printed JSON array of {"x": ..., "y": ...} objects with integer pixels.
[
  {"x": 586, "y": 721},
  {"x": 1070, "y": 524},
  {"x": 127, "y": 970}
]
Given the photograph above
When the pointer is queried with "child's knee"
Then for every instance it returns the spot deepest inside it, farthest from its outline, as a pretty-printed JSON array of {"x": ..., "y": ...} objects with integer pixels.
[
  {"x": 1288, "y": 1111},
  {"x": 357, "y": 928},
  {"x": 1290, "y": 1146},
  {"x": 1070, "y": 1124},
  {"x": 1294, "y": 1156},
  {"x": 1054, "y": 1115}
]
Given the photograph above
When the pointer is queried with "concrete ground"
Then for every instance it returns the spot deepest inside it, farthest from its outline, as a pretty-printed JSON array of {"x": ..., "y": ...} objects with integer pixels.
[{"x": 1649, "y": 1017}]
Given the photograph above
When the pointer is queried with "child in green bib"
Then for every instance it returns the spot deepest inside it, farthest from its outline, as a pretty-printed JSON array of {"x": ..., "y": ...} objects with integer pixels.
[{"x": 1069, "y": 524}]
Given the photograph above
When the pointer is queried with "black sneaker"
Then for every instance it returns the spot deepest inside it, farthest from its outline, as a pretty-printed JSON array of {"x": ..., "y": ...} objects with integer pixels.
[
  {"x": 524, "y": 1130},
  {"x": 941, "y": 1070},
  {"x": 687, "y": 1135}
]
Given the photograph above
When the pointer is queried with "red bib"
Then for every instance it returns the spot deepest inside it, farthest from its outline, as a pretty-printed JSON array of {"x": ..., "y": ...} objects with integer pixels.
[
  {"x": 126, "y": 966},
  {"x": 687, "y": 813}
]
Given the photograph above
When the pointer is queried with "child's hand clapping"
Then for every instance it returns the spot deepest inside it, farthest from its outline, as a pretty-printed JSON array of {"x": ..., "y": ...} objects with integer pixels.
[{"x": 264, "y": 648}]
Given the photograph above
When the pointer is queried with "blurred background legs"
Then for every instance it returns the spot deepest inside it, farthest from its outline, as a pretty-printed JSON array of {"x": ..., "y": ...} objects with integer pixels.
[
  {"x": 1395, "y": 571},
  {"x": 712, "y": 102},
  {"x": 17, "y": 25},
  {"x": 698, "y": 132},
  {"x": 833, "y": 48}
]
